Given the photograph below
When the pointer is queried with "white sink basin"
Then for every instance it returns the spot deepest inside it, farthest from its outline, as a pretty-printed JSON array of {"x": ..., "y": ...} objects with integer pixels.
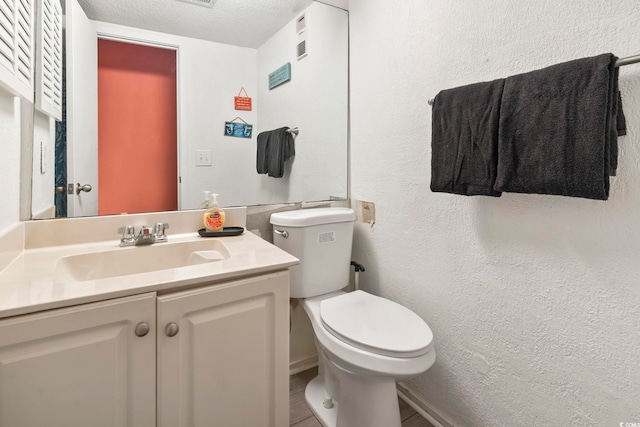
[{"x": 139, "y": 259}]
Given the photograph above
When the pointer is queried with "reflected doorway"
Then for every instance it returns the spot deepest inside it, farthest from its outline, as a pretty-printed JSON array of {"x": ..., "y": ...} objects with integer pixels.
[{"x": 137, "y": 128}]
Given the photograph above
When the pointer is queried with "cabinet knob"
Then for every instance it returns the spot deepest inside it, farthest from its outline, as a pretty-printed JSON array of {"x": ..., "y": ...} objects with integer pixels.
[
  {"x": 142, "y": 329},
  {"x": 171, "y": 329}
]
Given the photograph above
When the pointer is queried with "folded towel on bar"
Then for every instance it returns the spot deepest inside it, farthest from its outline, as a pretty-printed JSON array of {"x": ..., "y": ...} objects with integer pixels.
[
  {"x": 619, "y": 129},
  {"x": 558, "y": 129},
  {"x": 464, "y": 144},
  {"x": 274, "y": 148},
  {"x": 281, "y": 148},
  {"x": 262, "y": 166}
]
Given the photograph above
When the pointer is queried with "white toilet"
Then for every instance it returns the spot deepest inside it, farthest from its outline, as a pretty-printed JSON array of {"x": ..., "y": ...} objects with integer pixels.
[{"x": 365, "y": 343}]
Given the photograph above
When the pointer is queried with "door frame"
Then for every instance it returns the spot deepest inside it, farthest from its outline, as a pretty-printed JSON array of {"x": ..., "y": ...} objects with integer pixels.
[{"x": 81, "y": 51}]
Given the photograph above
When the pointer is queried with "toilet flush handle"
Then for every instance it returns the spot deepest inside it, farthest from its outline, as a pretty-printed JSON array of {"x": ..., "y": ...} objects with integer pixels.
[{"x": 283, "y": 233}]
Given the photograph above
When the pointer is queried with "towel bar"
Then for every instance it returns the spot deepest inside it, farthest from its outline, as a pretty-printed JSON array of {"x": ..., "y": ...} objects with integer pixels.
[{"x": 619, "y": 63}]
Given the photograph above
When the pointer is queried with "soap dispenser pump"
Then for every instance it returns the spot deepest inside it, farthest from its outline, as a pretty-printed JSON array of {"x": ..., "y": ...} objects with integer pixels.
[
  {"x": 206, "y": 201},
  {"x": 214, "y": 216}
]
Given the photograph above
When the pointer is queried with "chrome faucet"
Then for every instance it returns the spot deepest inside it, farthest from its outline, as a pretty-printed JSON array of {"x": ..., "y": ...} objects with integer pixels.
[{"x": 145, "y": 236}]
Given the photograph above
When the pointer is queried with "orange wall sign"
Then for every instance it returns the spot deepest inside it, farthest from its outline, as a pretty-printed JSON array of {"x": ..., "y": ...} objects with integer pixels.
[{"x": 242, "y": 102}]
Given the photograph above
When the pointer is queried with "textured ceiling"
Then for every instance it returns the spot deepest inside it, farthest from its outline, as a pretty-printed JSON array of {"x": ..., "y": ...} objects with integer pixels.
[{"x": 247, "y": 23}]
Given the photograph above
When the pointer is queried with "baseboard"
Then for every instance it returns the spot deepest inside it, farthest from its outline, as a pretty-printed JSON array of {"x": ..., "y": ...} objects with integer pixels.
[
  {"x": 302, "y": 364},
  {"x": 422, "y": 407}
]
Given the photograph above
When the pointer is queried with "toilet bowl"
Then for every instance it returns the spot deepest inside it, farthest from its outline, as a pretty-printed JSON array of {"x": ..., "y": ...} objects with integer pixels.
[
  {"x": 367, "y": 338},
  {"x": 365, "y": 343},
  {"x": 360, "y": 365}
]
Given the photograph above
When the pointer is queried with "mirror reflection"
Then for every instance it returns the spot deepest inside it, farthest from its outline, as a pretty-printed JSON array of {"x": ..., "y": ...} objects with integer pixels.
[{"x": 151, "y": 88}]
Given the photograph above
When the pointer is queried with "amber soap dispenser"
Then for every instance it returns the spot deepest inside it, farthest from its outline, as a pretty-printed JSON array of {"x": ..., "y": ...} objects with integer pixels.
[{"x": 214, "y": 216}]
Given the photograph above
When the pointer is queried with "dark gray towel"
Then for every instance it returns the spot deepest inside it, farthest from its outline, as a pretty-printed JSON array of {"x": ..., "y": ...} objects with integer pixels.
[
  {"x": 261, "y": 152},
  {"x": 618, "y": 126},
  {"x": 274, "y": 148},
  {"x": 558, "y": 129},
  {"x": 464, "y": 139},
  {"x": 281, "y": 148}
]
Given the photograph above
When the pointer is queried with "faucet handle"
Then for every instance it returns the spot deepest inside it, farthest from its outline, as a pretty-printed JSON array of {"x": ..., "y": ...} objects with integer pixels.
[
  {"x": 128, "y": 235},
  {"x": 128, "y": 231},
  {"x": 159, "y": 232},
  {"x": 159, "y": 228}
]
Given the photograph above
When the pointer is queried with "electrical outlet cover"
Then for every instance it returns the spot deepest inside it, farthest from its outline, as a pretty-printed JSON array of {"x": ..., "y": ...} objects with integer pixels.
[{"x": 365, "y": 211}]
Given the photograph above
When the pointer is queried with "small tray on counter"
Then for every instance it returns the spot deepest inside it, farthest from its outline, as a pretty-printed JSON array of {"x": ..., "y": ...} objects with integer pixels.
[{"x": 226, "y": 231}]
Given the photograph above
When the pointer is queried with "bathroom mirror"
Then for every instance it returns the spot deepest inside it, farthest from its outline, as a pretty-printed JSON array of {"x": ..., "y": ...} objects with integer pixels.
[{"x": 221, "y": 52}]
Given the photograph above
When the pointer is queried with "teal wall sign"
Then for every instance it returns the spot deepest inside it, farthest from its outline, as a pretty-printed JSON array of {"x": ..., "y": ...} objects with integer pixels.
[
  {"x": 280, "y": 76},
  {"x": 239, "y": 130}
]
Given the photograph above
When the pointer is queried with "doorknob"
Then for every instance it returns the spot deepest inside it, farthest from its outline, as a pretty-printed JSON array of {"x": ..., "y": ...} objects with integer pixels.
[
  {"x": 61, "y": 189},
  {"x": 86, "y": 188}
]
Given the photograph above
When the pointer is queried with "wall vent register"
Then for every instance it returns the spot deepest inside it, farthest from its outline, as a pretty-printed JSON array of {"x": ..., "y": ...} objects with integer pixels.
[{"x": 301, "y": 30}]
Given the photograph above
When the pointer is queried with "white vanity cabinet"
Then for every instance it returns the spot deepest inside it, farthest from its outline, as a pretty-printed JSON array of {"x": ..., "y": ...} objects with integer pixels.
[
  {"x": 226, "y": 362},
  {"x": 80, "y": 366},
  {"x": 221, "y": 352}
]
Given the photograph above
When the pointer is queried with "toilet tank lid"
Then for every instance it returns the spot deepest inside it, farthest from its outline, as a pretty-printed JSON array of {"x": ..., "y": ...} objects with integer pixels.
[{"x": 315, "y": 216}]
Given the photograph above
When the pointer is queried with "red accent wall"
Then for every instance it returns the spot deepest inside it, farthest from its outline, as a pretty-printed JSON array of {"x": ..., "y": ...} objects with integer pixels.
[{"x": 137, "y": 128}]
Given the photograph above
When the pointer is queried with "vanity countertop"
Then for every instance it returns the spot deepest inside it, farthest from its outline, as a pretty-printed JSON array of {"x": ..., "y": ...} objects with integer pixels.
[{"x": 29, "y": 285}]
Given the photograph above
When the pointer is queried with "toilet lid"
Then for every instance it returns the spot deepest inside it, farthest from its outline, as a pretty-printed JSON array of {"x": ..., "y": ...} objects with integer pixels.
[{"x": 376, "y": 324}]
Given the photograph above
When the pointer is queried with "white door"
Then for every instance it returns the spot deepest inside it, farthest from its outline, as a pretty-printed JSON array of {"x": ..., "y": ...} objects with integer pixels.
[
  {"x": 80, "y": 366},
  {"x": 227, "y": 363},
  {"x": 82, "y": 110}
]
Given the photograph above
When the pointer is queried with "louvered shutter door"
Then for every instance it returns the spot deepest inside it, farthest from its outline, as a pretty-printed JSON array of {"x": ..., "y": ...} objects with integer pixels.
[
  {"x": 49, "y": 55},
  {"x": 16, "y": 46}
]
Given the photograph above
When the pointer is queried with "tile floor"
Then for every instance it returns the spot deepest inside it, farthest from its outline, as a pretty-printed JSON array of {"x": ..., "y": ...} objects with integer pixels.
[{"x": 301, "y": 416}]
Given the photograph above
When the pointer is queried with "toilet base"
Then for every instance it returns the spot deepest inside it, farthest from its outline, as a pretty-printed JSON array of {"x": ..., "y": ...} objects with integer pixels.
[
  {"x": 367, "y": 402},
  {"x": 314, "y": 394}
]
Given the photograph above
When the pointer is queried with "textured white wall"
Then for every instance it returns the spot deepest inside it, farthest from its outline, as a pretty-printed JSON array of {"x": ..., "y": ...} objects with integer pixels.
[
  {"x": 534, "y": 300},
  {"x": 9, "y": 160}
]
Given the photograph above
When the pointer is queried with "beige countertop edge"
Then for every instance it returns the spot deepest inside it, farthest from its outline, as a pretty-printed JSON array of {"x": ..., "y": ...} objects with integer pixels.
[{"x": 19, "y": 296}]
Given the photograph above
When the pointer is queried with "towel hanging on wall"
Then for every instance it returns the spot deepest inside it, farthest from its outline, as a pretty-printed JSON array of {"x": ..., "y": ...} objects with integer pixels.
[
  {"x": 558, "y": 129},
  {"x": 464, "y": 143},
  {"x": 274, "y": 148}
]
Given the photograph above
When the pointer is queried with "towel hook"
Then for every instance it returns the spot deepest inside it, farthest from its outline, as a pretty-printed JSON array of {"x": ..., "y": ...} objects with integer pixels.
[{"x": 293, "y": 131}]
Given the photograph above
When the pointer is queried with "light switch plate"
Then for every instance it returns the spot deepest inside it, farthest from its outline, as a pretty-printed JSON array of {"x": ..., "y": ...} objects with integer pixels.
[
  {"x": 203, "y": 158},
  {"x": 43, "y": 158}
]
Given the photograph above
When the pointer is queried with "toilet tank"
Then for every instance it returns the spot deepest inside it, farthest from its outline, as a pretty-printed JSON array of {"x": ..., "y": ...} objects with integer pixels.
[{"x": 321, "y": 239}]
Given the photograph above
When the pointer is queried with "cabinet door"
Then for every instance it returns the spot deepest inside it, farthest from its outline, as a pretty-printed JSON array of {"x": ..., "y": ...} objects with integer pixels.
[
  {"x": 79, "y": 367},
  {"x": 49, "y": 58},
  {"x": 227, "y": 366},
  {"x": 17, "y": 47}
]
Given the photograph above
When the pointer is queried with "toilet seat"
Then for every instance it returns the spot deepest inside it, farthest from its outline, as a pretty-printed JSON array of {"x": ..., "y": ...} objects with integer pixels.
[{"x": 376, "y": 325}]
